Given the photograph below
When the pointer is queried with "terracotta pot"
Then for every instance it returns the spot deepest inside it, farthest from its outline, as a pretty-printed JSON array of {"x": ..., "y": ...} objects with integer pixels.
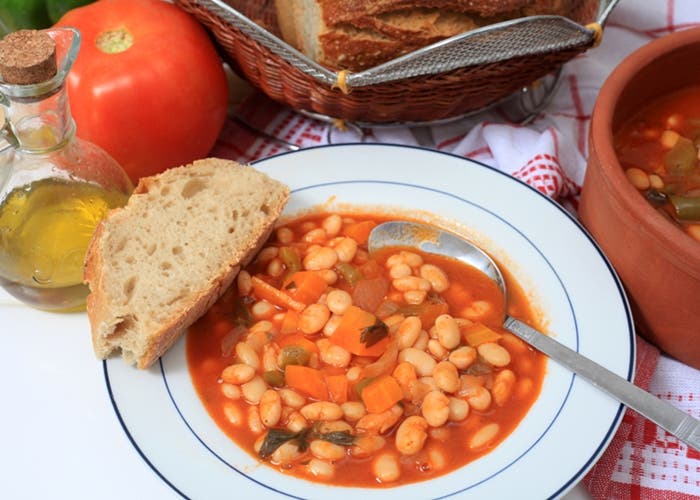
[{"x": 658, "y": 263}]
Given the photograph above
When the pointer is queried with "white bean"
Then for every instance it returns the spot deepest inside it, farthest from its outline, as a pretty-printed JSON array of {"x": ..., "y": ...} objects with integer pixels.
[
  {"x": 411, "y": 435},
  {"x": 346, "y": 249},
  {"x": 446, "y": 377},
  {"x": 366, "y": 445},
  {"x": 459, "y": 410},
  {"x": 322, "y": 258},
  {"x": 322, "y": 410},
  {"x": 405, "y": 257},
  {"x": 386, "y": 468},
  {"x": 503, "y": 385},
  {"x": 244, "y": 282},
  {"x": 296, "y": 422},
  {"x": 321, "y": 469},
  {"x": 463, "y": 357},
  {"x": 332, "y": 354},
  {"x": 408, "y": 331},
  {"x": 285, "y": 454},
  {"x": 332, "y": 224},
  {"x": 338, "y": 301},
  {"x": 447, "y": 331},
  {"x": 494, "y": 354},
  {"x": 325, "y": 450},
  {"x": 480, "y": 400},
  {"x": 421, "y": 360},
  {"x": 233, "y": 413},
  {"x": 411, "y": 283},
  {"x": 313, "y": 318},
  {"x": 292, "y": 398},
  {"x": 436, "y": 276},
  {"x": 238, "y": 373},
  {"x": 252, "y": 391},
  {"x": 231, "y": 391},
  {"x": 285, "y": 235},
  {"x": 316, "y": 235},
  {"x": 435, "y": 408},
  {"x": 246, "y": 354},
  {"x": 270, "y": 408},
  {"x": 484, "y": 436},
  {"x": 353, "y": 410},
  {"x": 400, "y": 271},
  {"x": 415, "y": 297},
  {"x": 254, "y": 423}
]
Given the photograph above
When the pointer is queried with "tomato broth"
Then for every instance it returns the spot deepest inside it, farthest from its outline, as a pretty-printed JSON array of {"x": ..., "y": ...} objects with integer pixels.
[{"x": 336, "y": 366}]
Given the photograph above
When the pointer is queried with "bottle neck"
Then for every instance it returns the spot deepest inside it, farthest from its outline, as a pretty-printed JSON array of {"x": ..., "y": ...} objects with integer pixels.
[{"x": 38, "y": 124}]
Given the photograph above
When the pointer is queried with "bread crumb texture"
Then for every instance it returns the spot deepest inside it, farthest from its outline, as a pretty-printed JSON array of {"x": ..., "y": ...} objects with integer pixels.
[{"x": 158, "y": 264}]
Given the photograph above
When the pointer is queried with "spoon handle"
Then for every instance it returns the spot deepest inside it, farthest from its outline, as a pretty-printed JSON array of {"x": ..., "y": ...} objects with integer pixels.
[{"x": 675, "y": 421}]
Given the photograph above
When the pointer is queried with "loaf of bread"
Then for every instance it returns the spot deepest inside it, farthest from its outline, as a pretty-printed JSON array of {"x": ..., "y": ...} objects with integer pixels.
[
  {"x": 157, "y": 264},
  {"x": 359, "y": 34}
]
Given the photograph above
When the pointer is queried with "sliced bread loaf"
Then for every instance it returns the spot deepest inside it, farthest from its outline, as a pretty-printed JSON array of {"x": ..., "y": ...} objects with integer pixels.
[
  {"x": 357, "y": 35},
  {"x": 157, "y": 264}
]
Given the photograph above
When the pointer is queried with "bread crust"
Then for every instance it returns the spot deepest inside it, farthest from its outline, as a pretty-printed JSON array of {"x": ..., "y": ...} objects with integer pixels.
[
  {"x": 345, "y": 11},
  {"x": 359, "y": 34},
  {"x": 110, "y": 320}
]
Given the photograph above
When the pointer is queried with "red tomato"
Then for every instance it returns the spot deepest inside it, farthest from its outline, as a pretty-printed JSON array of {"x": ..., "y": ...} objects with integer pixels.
[{"x": 148, "y": 85}]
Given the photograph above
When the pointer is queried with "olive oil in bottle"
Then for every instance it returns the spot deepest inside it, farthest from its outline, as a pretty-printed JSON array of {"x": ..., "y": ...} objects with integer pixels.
[
  {"x": 54, "y": 187},
  {"x": 45, "y": 229}
]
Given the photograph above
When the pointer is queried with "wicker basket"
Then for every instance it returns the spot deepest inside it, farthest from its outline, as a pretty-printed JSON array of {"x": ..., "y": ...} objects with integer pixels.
[{"x": 446, "y": 80}]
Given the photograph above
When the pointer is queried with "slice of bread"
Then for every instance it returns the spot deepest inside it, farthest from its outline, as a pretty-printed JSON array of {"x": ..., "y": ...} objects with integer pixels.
[{"x": 157, "y": 264}]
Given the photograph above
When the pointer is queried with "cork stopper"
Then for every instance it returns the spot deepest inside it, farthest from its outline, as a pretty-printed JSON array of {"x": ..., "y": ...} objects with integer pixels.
[{"x": 27, "y": 57}]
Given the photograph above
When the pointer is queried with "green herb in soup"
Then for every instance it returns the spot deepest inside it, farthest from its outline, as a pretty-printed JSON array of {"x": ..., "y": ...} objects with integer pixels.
[{"x": 659, "y": 148}]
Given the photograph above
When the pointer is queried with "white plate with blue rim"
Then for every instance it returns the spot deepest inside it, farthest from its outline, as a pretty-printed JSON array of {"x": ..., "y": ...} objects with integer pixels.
[{"x": 547, "y": 251}]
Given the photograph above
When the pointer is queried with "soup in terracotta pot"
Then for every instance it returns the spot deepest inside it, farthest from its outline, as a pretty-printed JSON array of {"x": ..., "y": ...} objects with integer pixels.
[{"x": 659, "y": 148}]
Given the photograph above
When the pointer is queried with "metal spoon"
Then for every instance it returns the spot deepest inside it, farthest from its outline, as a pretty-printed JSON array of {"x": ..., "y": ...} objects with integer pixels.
[{"x": 433, "y": 240}]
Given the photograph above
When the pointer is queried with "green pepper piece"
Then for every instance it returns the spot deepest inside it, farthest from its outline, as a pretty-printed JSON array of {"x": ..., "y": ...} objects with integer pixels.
[
  {"x": 294, "y": 355},
  {"x": 682, "y": 157},
  {"x": 349, "y": 273},
  {"x": 290, "y": 259},
  {"x": 686, "y": 208},
  {"x": 274, "y": 377},
  {"x": 361, "y": 385}
]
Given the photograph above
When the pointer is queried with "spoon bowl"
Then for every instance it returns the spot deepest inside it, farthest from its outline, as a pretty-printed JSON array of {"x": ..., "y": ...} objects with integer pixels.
[{"x": 434, "y": 240}]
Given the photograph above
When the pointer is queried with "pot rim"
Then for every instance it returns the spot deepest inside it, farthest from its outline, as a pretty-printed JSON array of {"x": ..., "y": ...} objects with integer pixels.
[{"x": 601, "y": 137}]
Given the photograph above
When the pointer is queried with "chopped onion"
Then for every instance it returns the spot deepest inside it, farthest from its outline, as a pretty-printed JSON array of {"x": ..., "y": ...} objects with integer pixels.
[{"x": 229, "y": 341}]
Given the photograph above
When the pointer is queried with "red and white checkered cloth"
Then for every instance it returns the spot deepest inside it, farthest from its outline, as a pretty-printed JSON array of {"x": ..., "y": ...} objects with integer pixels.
[{"x": 643, "y": 461}]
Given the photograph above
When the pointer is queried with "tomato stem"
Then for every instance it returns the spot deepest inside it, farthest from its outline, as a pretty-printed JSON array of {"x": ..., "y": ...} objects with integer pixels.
[{"x": 114, "y": 41}]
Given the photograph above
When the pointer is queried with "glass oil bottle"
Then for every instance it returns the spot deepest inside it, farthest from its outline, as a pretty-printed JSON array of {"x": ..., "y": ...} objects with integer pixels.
[{"x": 54, "y": 187}]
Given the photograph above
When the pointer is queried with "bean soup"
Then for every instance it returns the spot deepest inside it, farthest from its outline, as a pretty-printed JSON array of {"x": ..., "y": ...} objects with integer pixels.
[{"x": 331, "y": 364}]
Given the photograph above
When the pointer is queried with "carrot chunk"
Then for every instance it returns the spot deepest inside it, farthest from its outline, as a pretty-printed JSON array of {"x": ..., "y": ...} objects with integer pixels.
[
  {"x": 297, "y": 339},
  {"x": 274, "y": 296},
  {"x": 289, "y": 322},
  {"x": 359, "y": 231},
  {"x": 348, "y": 333},
  {"x": 305, "y": 286},
  {"x": 309, "y": 381},
  {"x": 478, "y": 333},
  {"x": 337, "y": 388},
  {"x": 381, "y": 394}
]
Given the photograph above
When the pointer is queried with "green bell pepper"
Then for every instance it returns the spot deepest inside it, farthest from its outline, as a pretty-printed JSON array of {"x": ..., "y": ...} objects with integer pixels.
[{"x": 33, "y": 14}]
